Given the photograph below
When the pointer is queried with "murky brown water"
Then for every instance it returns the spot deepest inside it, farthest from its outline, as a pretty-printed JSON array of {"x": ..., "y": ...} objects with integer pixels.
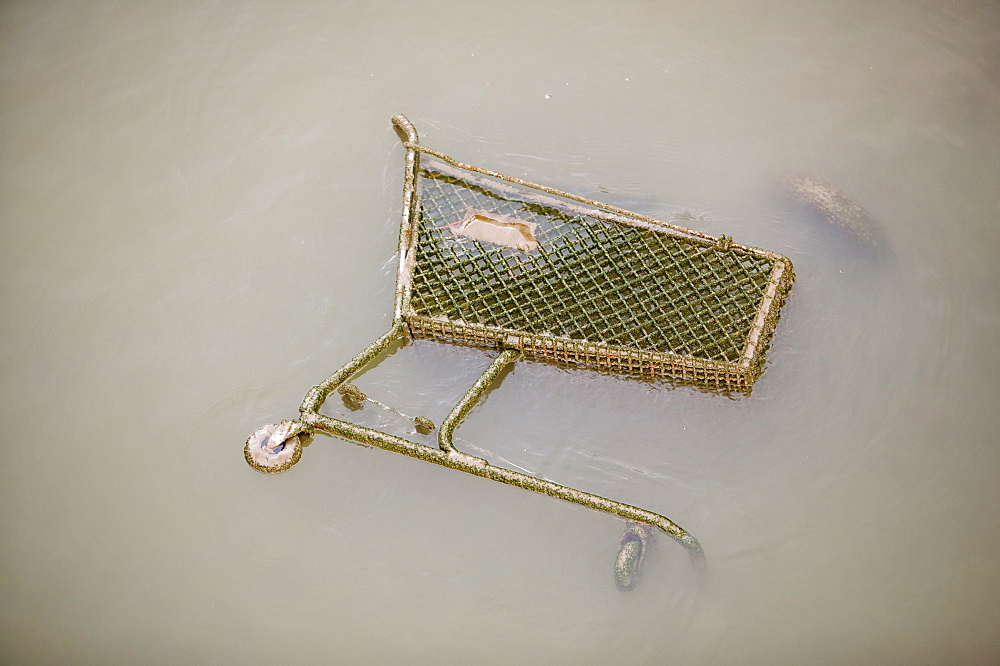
[{"x": 199, "y": 204}]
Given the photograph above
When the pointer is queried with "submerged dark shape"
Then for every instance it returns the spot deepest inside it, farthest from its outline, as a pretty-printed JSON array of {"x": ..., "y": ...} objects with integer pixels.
[
  {"x": 631, "y": 555},
  {"x": 834, "y": 206}
]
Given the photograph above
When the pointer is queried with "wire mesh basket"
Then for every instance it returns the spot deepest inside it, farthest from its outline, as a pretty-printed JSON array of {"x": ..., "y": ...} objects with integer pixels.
[
  {"x": 495, "y": 264},
  {"x": 493, "y": 261}
]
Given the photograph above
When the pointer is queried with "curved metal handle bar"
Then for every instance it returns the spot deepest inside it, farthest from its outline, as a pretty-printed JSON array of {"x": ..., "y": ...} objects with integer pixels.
[
  {"x": 403, "y": 123},
  {"x": 448, "y": 456}
]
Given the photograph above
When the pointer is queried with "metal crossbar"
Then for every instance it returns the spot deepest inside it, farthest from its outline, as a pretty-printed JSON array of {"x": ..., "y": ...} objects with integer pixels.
[{"x": 493, "y": 261}]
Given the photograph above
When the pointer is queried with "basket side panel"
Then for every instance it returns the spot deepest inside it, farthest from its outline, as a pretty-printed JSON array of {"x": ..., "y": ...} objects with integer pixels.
[{"x": 492, "y": 260}]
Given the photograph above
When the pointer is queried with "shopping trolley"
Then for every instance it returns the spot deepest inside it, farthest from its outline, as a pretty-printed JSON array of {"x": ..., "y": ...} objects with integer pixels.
[{"x": 491, "y": 261}]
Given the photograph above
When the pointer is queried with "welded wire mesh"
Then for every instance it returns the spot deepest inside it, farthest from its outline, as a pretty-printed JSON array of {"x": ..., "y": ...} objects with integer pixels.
[{"x": 600, "y": 290}]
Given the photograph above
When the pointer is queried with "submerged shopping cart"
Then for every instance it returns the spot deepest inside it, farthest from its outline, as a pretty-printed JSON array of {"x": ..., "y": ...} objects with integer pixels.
[{"x": 492, "y": 261}]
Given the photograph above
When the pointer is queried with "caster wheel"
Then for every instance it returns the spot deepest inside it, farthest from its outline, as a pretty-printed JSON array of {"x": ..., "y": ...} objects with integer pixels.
[
  {"x": 631, "y": 555},
  {"x": 275, "y": 447}
]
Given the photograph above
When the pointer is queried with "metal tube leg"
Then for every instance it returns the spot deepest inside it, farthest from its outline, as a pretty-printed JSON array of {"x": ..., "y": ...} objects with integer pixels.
[
  {"x": 628, "y": 565},
  {"x": 479, "y": 467},
  {"x": 446, "y": 455},
  {"x": 314, "y": 400},
  {"x": 472, "y": 396}
]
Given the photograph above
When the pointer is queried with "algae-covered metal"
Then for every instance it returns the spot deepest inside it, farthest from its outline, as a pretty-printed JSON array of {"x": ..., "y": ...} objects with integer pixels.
[
  {"x": 631, "y": 555},
  {"x": 274, "y": 448},
  {"x": 493, "y": 261}
]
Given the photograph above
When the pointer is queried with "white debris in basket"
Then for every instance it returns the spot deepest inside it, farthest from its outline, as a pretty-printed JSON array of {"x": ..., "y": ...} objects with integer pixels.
[{"x": 498, "y": 229}]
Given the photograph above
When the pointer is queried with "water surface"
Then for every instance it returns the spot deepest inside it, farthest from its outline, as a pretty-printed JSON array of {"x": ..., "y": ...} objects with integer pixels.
[{"x": 199, "y": 205}]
